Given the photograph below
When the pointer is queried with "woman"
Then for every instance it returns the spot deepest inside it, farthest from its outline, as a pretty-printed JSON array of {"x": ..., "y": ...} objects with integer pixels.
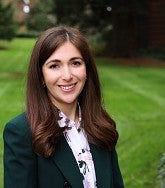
[{"x": 65, "y": 138}]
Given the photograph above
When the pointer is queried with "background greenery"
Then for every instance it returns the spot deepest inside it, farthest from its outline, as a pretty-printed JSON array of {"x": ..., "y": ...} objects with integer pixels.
[
  {"x": 121, "y": 28},
  {"x": 134, "y": 96}
]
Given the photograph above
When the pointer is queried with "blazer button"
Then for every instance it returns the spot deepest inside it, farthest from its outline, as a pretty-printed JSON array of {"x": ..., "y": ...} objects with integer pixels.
[{"x": 67, "y": 185}]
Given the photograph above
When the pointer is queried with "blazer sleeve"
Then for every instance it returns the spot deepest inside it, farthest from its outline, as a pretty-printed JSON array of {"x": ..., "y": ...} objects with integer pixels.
[
  {"x": 117, "y": 177},
  {"x": 20, "y": 166}
]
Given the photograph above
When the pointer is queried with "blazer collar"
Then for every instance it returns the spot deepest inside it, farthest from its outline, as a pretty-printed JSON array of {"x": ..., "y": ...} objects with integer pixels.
[
  {"x": 102, "y": 162},
  {"x": 64, "y": 159}
]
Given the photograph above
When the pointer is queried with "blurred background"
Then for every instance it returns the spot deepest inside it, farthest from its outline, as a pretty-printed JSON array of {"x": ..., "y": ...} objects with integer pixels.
[
  {"x": 127, "y": 39},
  {"x": 122, "y": 28}
]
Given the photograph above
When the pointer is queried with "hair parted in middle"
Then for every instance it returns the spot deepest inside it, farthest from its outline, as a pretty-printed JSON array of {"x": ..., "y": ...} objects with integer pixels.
[{"x": 42, "y": 116}]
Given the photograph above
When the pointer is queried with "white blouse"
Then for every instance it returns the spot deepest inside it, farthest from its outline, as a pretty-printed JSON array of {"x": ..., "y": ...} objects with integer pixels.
[{"x": 77, "y": 140}]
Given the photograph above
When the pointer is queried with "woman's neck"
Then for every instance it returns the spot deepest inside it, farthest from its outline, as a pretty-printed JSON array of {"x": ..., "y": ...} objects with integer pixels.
[{"x": 70, "y": 110}]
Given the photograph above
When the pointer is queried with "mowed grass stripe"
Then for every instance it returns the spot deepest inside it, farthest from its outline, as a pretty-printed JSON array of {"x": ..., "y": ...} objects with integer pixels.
[
  {"x": 139, "y": 90},
  {"x": 3, "y": 90},
  {"x": 146, "y": 85},
  {"x": 17, "y": 56}
]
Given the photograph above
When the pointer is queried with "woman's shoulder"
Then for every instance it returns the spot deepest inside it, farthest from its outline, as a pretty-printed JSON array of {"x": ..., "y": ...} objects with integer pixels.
[
  {"x": 19, "y": 118},
  {"x": 18, "y": 124}
]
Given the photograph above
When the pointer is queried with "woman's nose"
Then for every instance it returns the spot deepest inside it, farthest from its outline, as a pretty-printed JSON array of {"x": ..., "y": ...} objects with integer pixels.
[{"x": 66, "y": 73}]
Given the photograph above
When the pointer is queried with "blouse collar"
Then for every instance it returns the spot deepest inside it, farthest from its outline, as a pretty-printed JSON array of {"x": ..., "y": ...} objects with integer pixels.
[{"x": 64, "y": 121}]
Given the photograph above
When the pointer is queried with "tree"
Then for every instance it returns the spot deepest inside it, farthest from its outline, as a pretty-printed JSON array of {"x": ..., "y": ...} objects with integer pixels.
[
  {"x": 40, "y": 17},
  {"x": 7, "y": 25},
  {"x": 120, "y": 24},
  {"x": 91, "y": 16},
  {"x": 86, "y": 14}
]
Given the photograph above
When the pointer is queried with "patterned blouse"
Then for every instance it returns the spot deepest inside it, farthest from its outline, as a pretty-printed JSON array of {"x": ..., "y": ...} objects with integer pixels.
[{"x": 77, "y": 140}]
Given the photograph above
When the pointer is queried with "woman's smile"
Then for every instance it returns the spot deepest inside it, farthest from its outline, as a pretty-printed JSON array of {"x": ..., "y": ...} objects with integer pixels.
[{"x": 67, "y": 88}]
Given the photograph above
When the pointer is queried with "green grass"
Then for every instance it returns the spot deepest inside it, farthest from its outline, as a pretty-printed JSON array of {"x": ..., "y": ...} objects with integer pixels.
[
  {"x": 134, "y": 96},
  {"x": 13, "y": 65}
]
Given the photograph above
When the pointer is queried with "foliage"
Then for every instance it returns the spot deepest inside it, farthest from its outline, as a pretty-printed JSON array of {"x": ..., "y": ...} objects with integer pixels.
[
  {"x": 27, "y": 34},
  {"x": 69, "y": 12},
  {"x": 40, "y": 17},
  {"x": 7, "y": 25},
  {"x": 97, "y": 44},
  {"x": 119, "y": 22},
  {"x": 92, "y": 17},
  {"x": 88, "y": 15},
  {"x": 161, "y": 168},
  {"x": 155, "y": 52}
]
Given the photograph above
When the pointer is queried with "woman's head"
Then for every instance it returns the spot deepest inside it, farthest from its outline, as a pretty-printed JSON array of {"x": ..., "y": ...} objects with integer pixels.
[{"x": 46, "y": 45}]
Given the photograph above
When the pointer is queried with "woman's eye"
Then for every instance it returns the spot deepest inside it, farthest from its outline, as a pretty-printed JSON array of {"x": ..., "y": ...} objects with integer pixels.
[
  {"x": 53, "y": 66},
  {"x": 76, "y": 63}
]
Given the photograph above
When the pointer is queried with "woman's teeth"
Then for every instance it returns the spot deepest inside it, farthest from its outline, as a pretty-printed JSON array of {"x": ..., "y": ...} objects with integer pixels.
[{"x": 67, "y": 87}]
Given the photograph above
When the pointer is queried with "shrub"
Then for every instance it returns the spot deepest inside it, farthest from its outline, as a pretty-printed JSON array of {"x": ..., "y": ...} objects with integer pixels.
[
  {"x": 7, "y": 25},
  {"x": 97, "y": 44},
  {"x": 155, "y": 52},
  {"x": 161, "y": 168},
  {"x": 27, "y": 34}
]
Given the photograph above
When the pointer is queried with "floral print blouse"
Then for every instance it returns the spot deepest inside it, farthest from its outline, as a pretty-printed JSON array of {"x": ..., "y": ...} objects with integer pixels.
[{"x": 77, "y": 140}]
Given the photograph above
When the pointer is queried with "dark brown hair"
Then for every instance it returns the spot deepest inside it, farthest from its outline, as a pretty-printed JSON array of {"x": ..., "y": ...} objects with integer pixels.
[{"x": 41, "y": 114}]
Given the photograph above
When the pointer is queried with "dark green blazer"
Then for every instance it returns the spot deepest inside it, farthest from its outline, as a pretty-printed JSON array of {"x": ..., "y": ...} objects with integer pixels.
[{"x": 24, "y": 169}]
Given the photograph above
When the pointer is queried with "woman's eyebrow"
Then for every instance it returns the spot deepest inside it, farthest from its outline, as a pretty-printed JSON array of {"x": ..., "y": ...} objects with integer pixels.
[
  {"x": 74, "y": 58},
  {"x": 53, "y": 61}
]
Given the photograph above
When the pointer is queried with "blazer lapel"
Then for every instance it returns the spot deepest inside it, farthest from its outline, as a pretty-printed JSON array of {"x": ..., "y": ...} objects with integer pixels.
[
  {"x": 64, "y": 159},
  {"x": 103, "y": 169}
]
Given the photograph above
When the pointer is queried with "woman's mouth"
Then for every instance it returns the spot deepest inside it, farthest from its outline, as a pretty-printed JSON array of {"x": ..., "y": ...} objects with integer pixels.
[{"x": 67, "y": 88}]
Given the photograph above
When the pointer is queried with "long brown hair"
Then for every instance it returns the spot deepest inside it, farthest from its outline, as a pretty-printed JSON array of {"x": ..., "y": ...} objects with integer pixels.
[{"x": 41, "y": 114}]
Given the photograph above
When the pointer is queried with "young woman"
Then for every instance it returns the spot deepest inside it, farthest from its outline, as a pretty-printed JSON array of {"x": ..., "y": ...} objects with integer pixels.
[{"x": 65, "y": 138}]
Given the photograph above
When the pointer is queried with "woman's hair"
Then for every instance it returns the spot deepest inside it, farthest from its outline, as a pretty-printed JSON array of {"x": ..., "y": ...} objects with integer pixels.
[{"x": 41, "y": 114}]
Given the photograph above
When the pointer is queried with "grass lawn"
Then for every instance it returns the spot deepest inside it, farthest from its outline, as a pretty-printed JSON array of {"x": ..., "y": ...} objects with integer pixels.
[
  {"x": 134, "y": 96},
  {"x": 13, "y": 64}
]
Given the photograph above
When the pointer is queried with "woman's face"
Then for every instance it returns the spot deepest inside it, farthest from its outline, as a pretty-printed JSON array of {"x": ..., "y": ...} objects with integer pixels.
[{"x": 64, "y": 74}]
